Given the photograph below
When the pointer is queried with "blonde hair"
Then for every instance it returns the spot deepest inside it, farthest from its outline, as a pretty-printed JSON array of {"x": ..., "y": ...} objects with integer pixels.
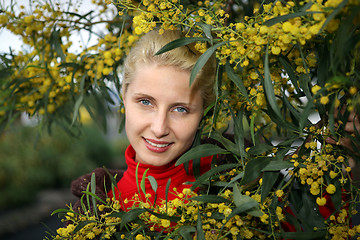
[{"x": 183, "y": 57}]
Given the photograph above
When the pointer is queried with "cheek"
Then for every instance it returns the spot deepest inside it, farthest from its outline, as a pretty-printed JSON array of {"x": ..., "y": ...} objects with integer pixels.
[
  {"x": 187, "y": 130},
  {"x": 132, "y": 121}
]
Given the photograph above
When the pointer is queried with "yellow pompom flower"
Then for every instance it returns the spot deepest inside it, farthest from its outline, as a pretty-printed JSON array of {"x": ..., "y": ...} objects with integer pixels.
[
  {"x": 331, "y": 189},
  {"x": 279, "y": 193},
  {"x": 275, "y": 50},
  {"x": 139, "y": 237},
  {"x": 106, "y": 71},
  {"x": 321, "y": 201},
  {"x": 3, "y": 19},
  {"x": 353, "y": 90},
  {"x": 315, "y": 89},
  {"x": 333, "y": 174},
  {"x": 287, "y": 26},
  {"x": 324, "y": 100},
  {"x": 165, "y": 223}
]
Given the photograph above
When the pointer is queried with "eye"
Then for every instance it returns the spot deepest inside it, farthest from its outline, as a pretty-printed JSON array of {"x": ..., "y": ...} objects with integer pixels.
[
  {"x": 181, "y": 110},
  {"x": 145, "y": 102}
]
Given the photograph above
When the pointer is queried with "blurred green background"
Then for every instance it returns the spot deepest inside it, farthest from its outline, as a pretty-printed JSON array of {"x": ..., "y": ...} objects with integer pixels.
[{"x": 30, "y": 162}]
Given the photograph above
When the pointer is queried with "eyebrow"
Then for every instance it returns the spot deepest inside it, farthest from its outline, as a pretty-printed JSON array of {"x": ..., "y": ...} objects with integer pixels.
[{"x": 189, "y": 105}]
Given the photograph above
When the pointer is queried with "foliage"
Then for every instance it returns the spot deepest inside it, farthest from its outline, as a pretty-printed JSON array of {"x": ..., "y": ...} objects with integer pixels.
[
  {"x": 278, "y": 65},
  {"x": 29, "y": 163}
]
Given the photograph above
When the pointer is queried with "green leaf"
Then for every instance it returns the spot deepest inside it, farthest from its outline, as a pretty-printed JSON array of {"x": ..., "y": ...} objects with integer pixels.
[
  {"x": 203, "y": 60},
  {"x": 153, "y": 183},
  {"x": 78, "y": 103},
  {"x": 236, "y": 79},
  {"x": 260, "y": 148},
  {"x": 211, "y": 172},
  {"x": 305, "y": 115},
  {"x": 165, "y": 216},
  {"x": 304, "y": 81},
  {"x": 93, "y": 191},
  {"x": 62, "y": 210},
  {"x": 269, "y": 179},
  {"x": 250, "y": 207},
  {"x": 55, "y": 40},
  {"x": 239, "y": 134},
  {"x": 321, "y": 234},
  {"x": 241, "y": 200},
  {"x": 203, "y": 150},
  {"x": 199, "y": 228},
  {"x": 93, "y": 195},
  {"x": 253, "y": 169},
  {"x": 234, "y": 179},
  {"x": 137, "y": 179},
  {"x": 289, "y": 70},
  {"x": 229, "y": 145},
  {"x": 131, "y": 216},
  {"x": 142, "y": 184},
  {"x": 82, "y": 224},
  {"x": 122, "y": 123},
  {"x": 167, "y": 192},
  {"x": 333, "y": 14},
  {"x": 268, "y": 86},
  {"x": 116, "y": 214},
  {"x": 207, "y": 30},
  {"x": 252, "y": 130},
  {"x": 180, "y": 42},
  {"x": 277, "y": 165},
  {"x": 210, "y": 199},
  {"x": 283, "y": 18},
  {"x": 292, "y": 109},
  {"x": 309, "y": 212},
  {"x": 187, "y": 232}
]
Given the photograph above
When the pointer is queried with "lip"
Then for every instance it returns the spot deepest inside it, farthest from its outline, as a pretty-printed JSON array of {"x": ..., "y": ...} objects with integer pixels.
[{"x": 157, "y": 149}]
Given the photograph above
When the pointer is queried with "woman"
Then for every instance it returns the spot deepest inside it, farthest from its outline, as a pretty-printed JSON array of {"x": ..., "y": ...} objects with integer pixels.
[
  {"x": 162, "y": 116},
  {"x": 163, "y": 113}
]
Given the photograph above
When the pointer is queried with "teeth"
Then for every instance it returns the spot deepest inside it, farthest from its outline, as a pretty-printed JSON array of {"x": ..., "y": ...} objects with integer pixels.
[{"x": 156, "y": 145}]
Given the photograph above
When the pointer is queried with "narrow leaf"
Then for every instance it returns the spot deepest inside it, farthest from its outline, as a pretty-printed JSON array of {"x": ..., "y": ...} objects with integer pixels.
[
  {"x": 269, "y": 88},
  {"x": 333, "y": 14},
  {"x": 282, "y": 18},
  {"x": 253, "y": 169},
  {"x": 277, "y": 165},
  {"x": 269, "y": 179},
  {"x": 210, "y": 199},
  {"x": 211, "y": 172},
  {"x": 236, "y": 79},
  {"x": 167, "y": 193},
  {"x": 203, "y": 60},
  {"x": 180, "y": 42},
  {"x": 200, "y": 231},
  {"x": 153, "y": 183},
  {"x": 131, "y": 216},
  {"x": 93, "y": 191},
  {"x": 200, "y": 151},
  {"x": 187, "y": 232},
  {"x": 142, "y": 184},
  {"x": 78, "y": 103},
  {"x": 82, "y": 224}
]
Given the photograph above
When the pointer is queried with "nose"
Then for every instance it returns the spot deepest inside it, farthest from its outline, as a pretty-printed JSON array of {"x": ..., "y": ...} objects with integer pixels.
[{"x": 160, "y": 124}]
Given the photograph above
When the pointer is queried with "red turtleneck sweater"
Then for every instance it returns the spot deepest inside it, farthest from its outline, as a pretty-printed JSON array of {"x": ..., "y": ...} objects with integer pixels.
[{"x": 127, "y": 186}]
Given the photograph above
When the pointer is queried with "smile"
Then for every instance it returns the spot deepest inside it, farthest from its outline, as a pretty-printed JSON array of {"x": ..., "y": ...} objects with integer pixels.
[{"x": 156, "y": 144}]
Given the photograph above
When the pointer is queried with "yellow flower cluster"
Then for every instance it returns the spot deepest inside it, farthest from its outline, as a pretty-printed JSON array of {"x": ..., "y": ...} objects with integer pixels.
[
  {"x": 183, "y": 207},
  {"x": 104, "y": 225},
  {"x": 322, "y": 161},
  {"x": 47, "y": 74}
]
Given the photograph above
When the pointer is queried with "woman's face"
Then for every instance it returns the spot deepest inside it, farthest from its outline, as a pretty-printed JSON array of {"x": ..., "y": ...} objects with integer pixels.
[{"x": 162, "y": 113}]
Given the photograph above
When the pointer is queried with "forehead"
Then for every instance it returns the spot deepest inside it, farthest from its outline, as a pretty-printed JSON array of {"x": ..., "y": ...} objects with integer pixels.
[{"x": 163, "y": 81}]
